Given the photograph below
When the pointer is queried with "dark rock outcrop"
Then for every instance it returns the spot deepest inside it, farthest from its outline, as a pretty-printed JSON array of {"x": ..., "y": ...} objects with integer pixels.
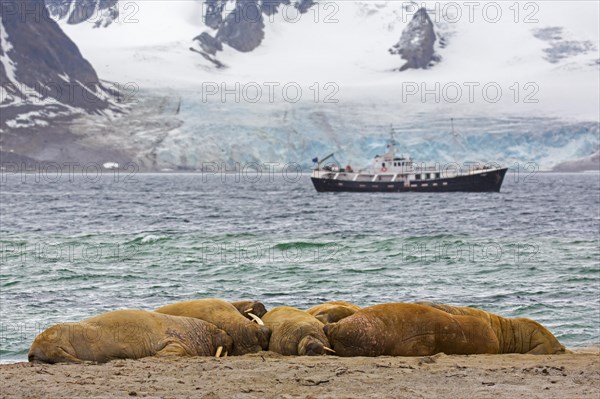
[
  {"x": 242, "y": 28},
  {"x": 213, "y": 16},
  {"x": 209, "y": 44},
  {"x": 102, "y": 12},
  {"x": 416, "y": 45},
  {"x": 560, "y": 48},
  {"x": 42, "y": 70}
]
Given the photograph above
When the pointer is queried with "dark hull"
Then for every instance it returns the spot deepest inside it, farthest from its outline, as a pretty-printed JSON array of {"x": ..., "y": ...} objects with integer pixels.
[{"x": 476, "y": 183}]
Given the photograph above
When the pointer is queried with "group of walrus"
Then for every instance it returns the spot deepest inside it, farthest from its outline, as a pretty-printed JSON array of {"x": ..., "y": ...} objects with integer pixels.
[{"x": 214, "y": 327}]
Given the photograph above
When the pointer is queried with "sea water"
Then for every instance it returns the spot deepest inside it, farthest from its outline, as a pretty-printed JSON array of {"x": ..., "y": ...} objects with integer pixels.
[{"x": 73, "y": 246}]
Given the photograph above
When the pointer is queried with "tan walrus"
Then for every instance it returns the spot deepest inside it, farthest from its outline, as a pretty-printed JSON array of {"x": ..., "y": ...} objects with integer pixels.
[
  {"x": 128, "y": 334},
  {"x": 332, "y": 312},
  {"x": 519, "y": 335},
  {"x": 399, "y": 329},
  {"x": 295, "y": 332},
  {"x": 248, "y": 337},
  {"x": 250, "y": 307}
]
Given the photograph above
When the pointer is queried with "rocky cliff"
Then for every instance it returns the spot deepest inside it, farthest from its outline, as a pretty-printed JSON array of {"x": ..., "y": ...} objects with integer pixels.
[{"x": 416, "y": 42}]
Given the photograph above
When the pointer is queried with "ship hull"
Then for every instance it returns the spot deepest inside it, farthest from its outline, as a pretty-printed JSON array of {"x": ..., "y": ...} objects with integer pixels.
[{"x": 479, "y": 182}]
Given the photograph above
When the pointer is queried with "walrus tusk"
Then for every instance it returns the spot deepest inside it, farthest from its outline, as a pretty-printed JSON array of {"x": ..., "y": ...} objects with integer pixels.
[
  {"x": 248, "y": 310},
  {"x": 219, "y": 350},
  {"x": 256, "y": 319},
  {"x": 225, "y": 355},
  {"x": 328, "y": 349}
]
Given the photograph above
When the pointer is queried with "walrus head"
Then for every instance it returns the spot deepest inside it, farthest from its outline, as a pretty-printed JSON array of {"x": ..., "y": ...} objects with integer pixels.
[
  {"x": 223, "y": 344},
  {"x": 540, "y": 340},
  {"x": 252, "y": 338},
  {"x": 53, "y": 346},
  {"x": 263, "y": 337},
  {"x": 246, "y": 307},
  {"x": 264, "y": 333}
]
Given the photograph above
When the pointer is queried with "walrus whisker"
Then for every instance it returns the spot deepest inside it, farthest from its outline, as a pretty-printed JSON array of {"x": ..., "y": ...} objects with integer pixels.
[
  {"x": 219, "y": 350},
  {"x": 328, "y": 349},
  {"x": 256, "y": 319}
]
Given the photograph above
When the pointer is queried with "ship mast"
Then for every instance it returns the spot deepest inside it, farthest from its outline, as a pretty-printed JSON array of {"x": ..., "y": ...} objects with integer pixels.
[{"x": 454, "y": 140}]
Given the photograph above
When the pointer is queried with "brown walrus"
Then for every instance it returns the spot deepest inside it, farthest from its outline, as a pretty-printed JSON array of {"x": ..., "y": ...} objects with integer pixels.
[
  {"x": 248, "y": 337},
  {"x": 399, "y": 329},
  {"x": 128, "y": 334},
  {"x": 295, "y": 332},
  {"x": 247, "y": 307},
  {"x": 519, "y": 335},
  {"x": 332, "y": 312}
]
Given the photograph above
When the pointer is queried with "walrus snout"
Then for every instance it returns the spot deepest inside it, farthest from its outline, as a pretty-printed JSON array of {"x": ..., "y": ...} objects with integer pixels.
[{"x": 310, "y": 346}]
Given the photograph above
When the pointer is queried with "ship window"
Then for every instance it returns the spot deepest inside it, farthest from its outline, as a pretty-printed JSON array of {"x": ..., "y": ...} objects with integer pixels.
[
  {"x": 437, "y": 175},
  {"x": 383, "y": 164},
  {"x": 417, "y": 177}
]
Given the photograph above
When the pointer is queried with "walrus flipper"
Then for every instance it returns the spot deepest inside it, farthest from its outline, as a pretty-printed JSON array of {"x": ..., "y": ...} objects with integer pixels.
[{"x": 172, "y": 349}]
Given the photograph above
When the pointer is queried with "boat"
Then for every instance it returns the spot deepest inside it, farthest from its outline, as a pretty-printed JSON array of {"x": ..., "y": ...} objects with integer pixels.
[{"x": 393, "y": 173}]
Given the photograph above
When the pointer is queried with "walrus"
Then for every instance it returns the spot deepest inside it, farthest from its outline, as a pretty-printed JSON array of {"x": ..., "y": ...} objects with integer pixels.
[
  {"x": 399, "y": 329},
  {"x": 519, "y": 335},
  {"x": 295, "y": 332},
  {"x": 248, "y": 337},
  {"x": 332, "y": 312},
  {"x": 128, "y": 334},
  {"x": 247, "y": 307}
]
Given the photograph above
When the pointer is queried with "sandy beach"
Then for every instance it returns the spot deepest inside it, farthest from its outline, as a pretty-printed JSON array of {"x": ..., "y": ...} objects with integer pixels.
[{"x": 269, "y": 375}]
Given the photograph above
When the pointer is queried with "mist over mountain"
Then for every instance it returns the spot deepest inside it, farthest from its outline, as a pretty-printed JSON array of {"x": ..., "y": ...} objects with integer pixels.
[{"x": 284, "y": 81}]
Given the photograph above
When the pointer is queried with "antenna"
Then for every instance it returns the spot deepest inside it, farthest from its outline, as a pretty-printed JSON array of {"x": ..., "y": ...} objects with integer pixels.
[
  {"x": 454, "y": 134},
  {"x": 455, "y": 142}
]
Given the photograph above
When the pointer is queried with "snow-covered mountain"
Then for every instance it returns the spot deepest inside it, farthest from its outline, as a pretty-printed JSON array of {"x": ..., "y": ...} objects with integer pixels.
[
  {"x": 217, "y": 80},
  {"x": 43, "y": 74}
]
